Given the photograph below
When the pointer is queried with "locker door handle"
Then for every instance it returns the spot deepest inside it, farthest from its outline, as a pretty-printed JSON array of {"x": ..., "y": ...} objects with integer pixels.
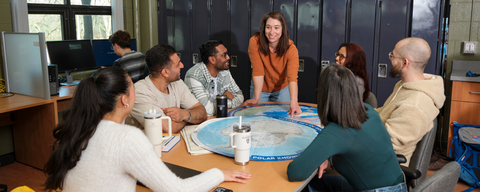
[
  {"x": 301, "y": 65},
  {"x": 382, "y": 70}
]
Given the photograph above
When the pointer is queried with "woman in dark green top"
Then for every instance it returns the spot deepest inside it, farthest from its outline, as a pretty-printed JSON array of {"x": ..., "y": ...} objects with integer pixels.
[{"x": 354, "y": 136}]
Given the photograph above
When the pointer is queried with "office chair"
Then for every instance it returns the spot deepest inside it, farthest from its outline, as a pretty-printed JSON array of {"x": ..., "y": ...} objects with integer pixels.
[
  {"x": 443, "y": 180},
  {"x": 417, "y": 169},
  {"x": 372, "y": 100}
]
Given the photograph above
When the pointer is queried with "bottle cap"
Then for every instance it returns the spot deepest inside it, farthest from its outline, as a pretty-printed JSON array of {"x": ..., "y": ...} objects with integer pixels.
[
  {"x": 244, "y": 129},
  {"x": 152, "y": 113},
  {"x": 221, "y": 96}
]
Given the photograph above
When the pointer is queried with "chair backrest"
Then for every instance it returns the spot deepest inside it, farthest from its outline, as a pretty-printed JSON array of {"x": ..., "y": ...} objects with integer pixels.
[
  {"x": 372, "y": 100},
  {"x": 444, "y": 179},
  {"x": 421, "y": 156}
]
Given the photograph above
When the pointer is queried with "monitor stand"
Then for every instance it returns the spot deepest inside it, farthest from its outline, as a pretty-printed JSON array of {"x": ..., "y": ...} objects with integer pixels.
[{"x": 70, "y": 82}]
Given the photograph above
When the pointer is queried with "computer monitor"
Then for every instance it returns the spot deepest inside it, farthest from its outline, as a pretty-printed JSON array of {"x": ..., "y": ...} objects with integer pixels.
[
  {"x": 103, "y": 51},
  {"x": 71, "y": 55}
]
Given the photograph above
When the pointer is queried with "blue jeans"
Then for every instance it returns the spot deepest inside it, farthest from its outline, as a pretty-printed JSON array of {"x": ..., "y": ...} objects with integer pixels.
[
  {"x": 280, "y": 96},
  {"x": 339, "y": 183}
]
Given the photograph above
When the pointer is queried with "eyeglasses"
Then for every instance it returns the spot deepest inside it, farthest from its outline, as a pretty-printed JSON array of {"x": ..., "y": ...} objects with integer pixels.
[
  {"x": 391, "y": 55},
  {"x": 339, "y": 55},
  {"x": 224, "y": 55}
]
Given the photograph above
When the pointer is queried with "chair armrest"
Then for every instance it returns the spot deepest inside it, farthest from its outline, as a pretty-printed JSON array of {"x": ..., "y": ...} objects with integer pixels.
[
  {"x": 410, "y": 173},
  {"x": 401, "y": 158}
]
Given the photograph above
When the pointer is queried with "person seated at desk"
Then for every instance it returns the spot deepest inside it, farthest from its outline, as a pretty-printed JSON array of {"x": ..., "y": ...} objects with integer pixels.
[
  {"x": 354, "y": 138},
  {"x": 211, "y": 78},
  {"x": 164, "y": 90},
  {"x": 94, "y": 151},
  {"x": 416, "y": 100},
  {"x": 132, "y": 62},
  {"x": 351, "y": 56}
]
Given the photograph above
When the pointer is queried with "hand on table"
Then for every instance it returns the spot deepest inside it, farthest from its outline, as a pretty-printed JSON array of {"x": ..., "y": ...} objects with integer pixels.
[
  {"x": 323, "y": 166},
  {"x": 175, "y": 113},
  {"x": 235, "y": 176},
  {"x": 294, "y": 109},
  {"x": 250, "y": 101}
]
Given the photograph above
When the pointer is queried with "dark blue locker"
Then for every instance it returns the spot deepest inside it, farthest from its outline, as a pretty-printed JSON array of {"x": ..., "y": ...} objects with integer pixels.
[
  {"x": 426, "y": 23},
  {"x": 239, "y": 38},
  {"x": 308, "y": 41},
  {"x": 288, "y": 9},
  {"x": 220, "y": 21},
  {"x": 257, "y": 10},
  {"x": 362, "y": 31},
  {"x": 393, "y": 27},
  {"x": 200, "y": 27},
  {"x": 166, "y": 20},
  {"x": 333, "y": 28},
  {"x": 181, "y": 35}
]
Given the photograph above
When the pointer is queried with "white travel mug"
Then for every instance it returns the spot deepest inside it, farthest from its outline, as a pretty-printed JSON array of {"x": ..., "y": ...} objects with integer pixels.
[
  {"x": 153, "y": 128},
  {"x": 241, "y": 141}
]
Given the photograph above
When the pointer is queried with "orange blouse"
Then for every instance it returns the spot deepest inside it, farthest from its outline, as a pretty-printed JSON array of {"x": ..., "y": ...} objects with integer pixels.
[{"x": 278, "y": 71}]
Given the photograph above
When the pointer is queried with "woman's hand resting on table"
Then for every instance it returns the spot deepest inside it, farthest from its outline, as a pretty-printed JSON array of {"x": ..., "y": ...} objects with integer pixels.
[
  {"x": 294, "y": 109},
  {"x": 235, "y": 176},
  {"x": 250, "y": 101}
]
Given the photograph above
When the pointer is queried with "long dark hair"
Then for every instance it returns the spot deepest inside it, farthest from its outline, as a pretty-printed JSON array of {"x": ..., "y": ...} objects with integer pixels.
[
  {"x": 94, "y": 97},
  {"x": 283, "y": 45},
  {"x": 338, "y": 100},
  {"x": 355, "y": 61}
]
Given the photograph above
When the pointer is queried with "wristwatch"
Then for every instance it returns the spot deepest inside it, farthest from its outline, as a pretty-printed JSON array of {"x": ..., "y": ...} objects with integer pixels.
[{"x": 190, "y": 118}]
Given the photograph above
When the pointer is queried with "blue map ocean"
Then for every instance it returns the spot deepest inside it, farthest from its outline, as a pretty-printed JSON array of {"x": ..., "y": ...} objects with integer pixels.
[{"x": 275, "y": 135}]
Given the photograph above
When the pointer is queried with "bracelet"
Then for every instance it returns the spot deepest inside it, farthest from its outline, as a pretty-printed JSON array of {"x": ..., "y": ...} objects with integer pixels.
[{"x": 190, "y": 118}]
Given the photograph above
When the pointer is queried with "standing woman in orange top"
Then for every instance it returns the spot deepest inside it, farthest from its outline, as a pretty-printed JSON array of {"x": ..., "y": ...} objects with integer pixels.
[{"x": 274, "y": 60}]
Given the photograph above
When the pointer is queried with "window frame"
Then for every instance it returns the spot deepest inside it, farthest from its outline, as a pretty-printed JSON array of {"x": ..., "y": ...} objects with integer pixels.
[{"x": 68, "y": 13}]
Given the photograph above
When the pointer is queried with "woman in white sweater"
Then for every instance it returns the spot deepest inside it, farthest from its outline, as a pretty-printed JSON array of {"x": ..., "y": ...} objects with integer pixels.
[{"x": 94, "y": 151}]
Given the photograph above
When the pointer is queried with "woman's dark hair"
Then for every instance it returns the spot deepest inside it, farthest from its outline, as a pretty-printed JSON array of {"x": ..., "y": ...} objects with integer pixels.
[
  {"x": 94, "y": 97},
  {"x": 121, "y": 38},
  {"x": 338, "y": 100},
  {"x": 356, "y": 62},
  {"x": 283, "y": 45},
  {"x": 209, "y": 49},
  {"x": 158, "y": 58}
]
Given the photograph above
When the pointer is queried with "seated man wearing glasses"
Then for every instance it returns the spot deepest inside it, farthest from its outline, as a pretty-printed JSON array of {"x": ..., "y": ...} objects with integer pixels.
[
  {"x": 409, "y": 111},
  {"x": 211, "y": 78}
]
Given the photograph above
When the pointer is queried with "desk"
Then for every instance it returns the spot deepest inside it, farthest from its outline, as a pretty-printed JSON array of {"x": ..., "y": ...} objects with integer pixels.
[
  {"x": 266, "y": 175},
  {"x": 33, "y": 120}
]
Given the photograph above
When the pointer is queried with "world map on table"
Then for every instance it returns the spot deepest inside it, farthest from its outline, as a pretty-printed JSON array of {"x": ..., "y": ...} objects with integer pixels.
[{"x": 275, "y": 135}]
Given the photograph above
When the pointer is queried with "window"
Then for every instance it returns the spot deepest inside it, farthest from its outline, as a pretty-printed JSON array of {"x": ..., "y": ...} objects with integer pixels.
[{"x": 71, "y": 19}]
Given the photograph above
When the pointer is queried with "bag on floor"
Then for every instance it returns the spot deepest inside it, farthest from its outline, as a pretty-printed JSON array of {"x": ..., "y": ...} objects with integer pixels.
[{"x": 466, "y": 145}]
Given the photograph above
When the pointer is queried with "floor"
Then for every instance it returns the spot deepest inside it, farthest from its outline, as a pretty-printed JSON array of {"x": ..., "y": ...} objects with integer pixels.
[{"x": 18, "y": 174}]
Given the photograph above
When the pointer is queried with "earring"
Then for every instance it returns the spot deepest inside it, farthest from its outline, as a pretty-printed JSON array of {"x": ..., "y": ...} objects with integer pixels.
[{"x": 126, "y": 106}]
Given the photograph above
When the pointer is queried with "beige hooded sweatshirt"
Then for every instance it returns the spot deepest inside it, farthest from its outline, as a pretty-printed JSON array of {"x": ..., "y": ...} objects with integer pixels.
[{"x": 409, "y": 112}]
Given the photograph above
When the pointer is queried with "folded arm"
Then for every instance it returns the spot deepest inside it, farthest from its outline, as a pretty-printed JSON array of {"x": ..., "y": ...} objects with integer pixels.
[{"x": 202, "y": 94}]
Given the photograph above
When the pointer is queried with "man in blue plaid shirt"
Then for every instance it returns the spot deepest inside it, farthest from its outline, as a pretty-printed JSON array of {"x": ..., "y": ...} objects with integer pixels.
[{"x": 211, "y": 78}]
